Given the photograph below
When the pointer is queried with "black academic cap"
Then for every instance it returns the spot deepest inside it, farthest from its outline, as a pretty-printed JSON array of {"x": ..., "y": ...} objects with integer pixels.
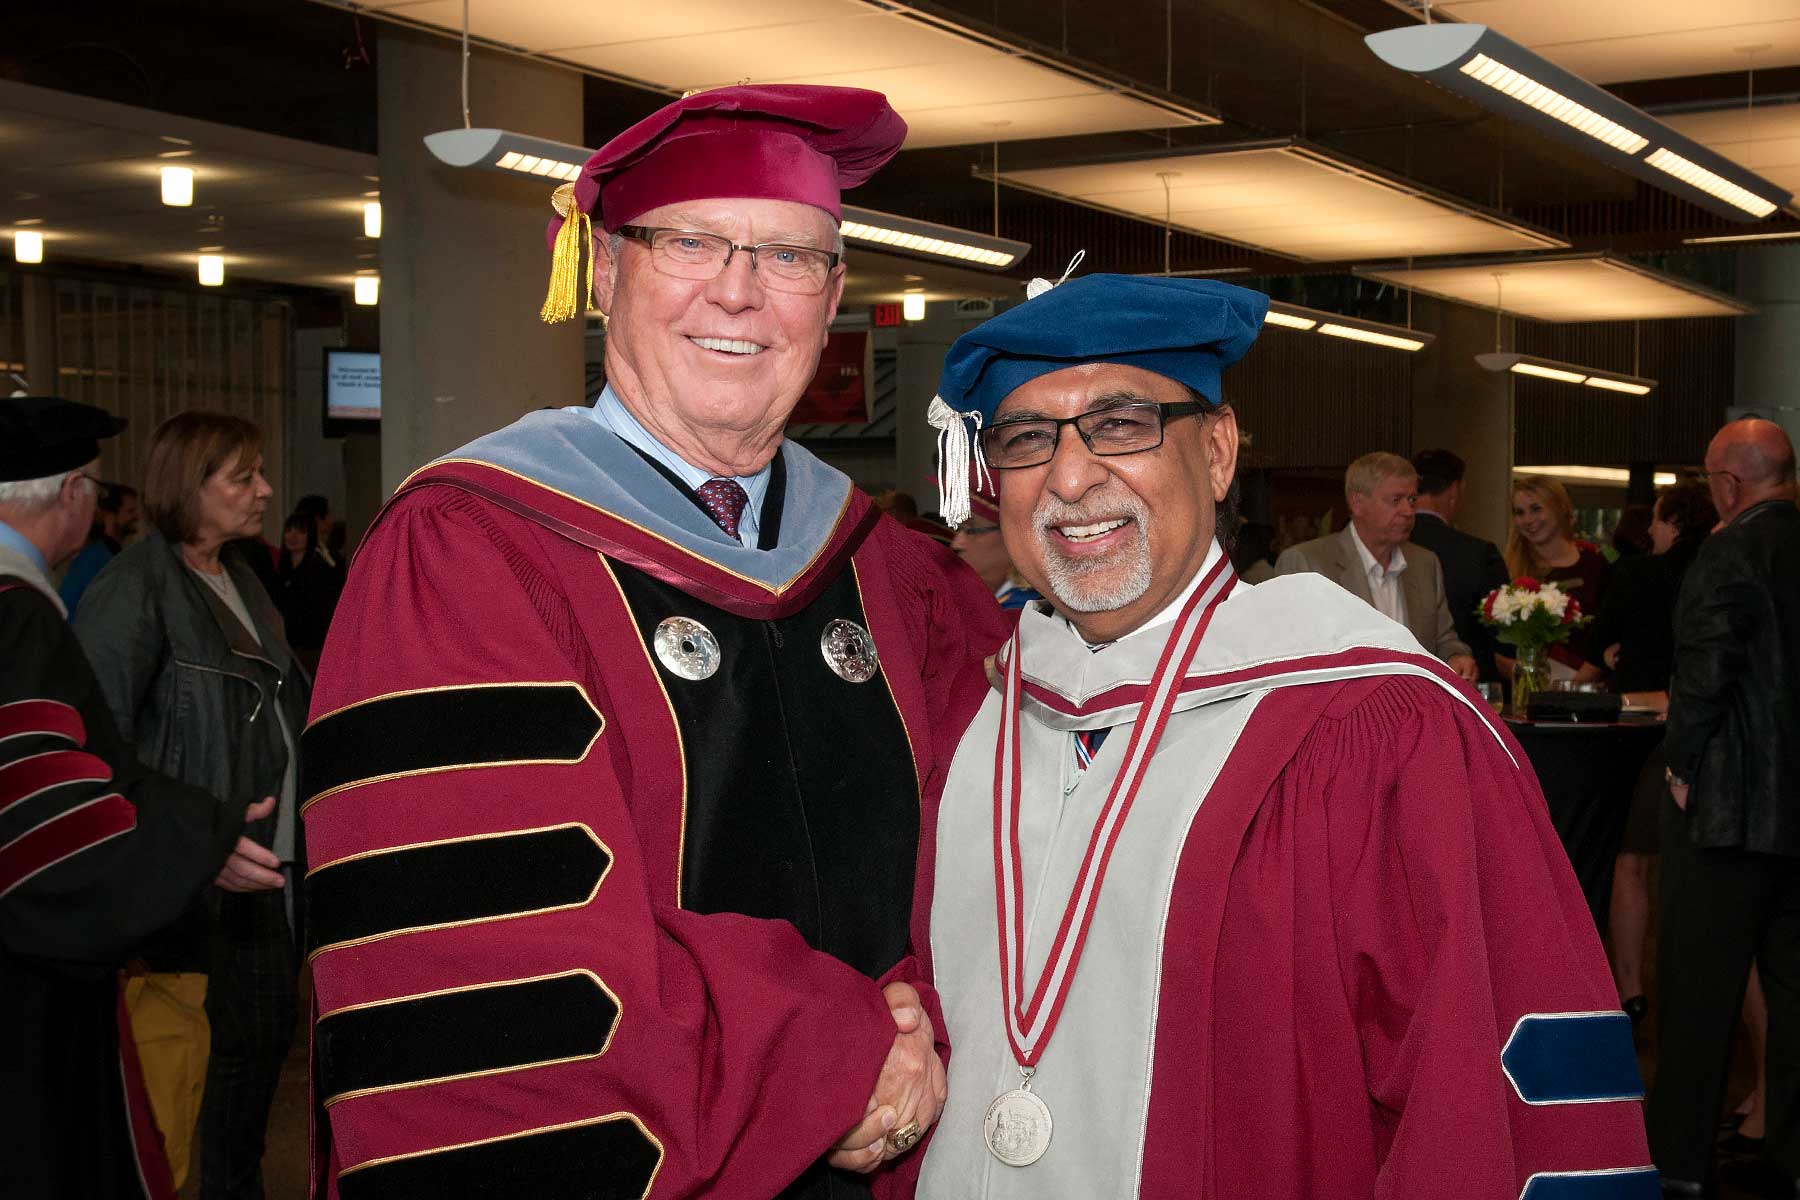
[{"x": 42, "y": 436}]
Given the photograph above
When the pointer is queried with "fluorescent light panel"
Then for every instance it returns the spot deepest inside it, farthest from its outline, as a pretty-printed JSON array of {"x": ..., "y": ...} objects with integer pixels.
[
  {"x": 1561, "y": 372},
  {"x": 1785, "y": 235},
  {"x": 1616, "y": 475},
  {"x": 1287, "y": 198},
  {"x": 1591, "y": 287},
  {"x": 954, "y": 84},
  {"x": 936, "y": 241},
  {"x": 1498, "y": 73},
  {"x": 1374, "y": 333},
  {"x": 504, "y": 150}
]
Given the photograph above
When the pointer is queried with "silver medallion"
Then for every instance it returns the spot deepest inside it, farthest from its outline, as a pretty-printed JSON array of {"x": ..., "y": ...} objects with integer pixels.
[
  {"x": 687, "y": 648},
  {"x": 849, "y": 651},
  {"x": 1017, "y": 1128}
]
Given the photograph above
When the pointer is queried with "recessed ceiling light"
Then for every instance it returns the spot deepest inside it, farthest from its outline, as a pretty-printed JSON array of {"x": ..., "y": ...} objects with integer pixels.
[
  {"x": 912, "y": 306},
  {"x": 368, "y": 289},
  {"x": 178, "y": 186},
  {"x": 29, "y": 221},
  {"x": 212, "y": 270},
  {"x": 372, "y": 219},
  {"x": 28, "y": 246}
]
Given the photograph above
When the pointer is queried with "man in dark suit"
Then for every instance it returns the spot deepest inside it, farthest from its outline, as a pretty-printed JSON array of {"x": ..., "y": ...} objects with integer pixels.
[
  {"x": 1472, "y": 566},
  {"x": 1731, "y": 833}
]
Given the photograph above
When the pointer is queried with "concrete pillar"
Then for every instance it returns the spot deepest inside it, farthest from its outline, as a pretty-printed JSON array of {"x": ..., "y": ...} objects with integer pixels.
[
  {"x": 1457, "y": 406},
  {"x": 41, "y": 359},
  {"x": 918, "y": 366},
  {"x": 1767, "y": 384},
  {"x": 463, "y": 259}
]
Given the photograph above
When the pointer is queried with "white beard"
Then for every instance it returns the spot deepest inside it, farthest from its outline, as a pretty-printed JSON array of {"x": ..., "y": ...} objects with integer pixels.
[{"x": 1081, "y": 585}]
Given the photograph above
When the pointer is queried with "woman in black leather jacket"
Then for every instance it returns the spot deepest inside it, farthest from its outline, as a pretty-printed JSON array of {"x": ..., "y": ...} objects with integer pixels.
[{"x": 192, "y": 658}]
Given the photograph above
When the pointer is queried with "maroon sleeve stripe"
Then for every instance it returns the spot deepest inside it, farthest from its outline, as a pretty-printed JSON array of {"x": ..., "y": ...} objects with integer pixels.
[
  {"x": 37, "y": 773},
  {"x": 46, "y": 718},
  {"x": 66, "y": 834}
]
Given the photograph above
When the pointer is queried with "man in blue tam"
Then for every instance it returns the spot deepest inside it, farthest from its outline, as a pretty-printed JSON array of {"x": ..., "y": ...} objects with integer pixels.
[{"x": 1238, "y": 891}]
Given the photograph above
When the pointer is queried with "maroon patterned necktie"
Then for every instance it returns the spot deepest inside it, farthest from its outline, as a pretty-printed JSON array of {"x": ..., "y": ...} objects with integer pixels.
[{"x": 724, "y": 500}]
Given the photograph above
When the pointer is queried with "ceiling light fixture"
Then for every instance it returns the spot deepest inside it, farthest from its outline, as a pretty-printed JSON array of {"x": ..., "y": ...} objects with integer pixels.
[
  {"x": 178, "y": 186},
  {"x": 368, "y": 289},
  {"x": 372, "y": 219},
  {"x": 503, "y": 150},
  {"x": 1562, "y": 372},
  {"x": 912, "y": 306},
  {"x": 1614, "y": 475},
  {"x": 212, "y": 270},
  {"x": 946, "y": 242},
  {"x": 1784, "y": 235},
  {"x": 28, "y": 246},
  {"x": 518, "y": 153},
  {"x": 1496, "y": 72},
  {"x": 1374, "y": 333}
]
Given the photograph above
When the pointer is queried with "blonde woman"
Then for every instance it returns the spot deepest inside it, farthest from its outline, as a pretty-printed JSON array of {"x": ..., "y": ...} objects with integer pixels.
[{"x": 1543, "y": 545}]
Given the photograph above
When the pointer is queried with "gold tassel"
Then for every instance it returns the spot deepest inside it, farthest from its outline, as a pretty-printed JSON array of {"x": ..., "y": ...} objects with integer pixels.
[{"x": 564, "y": 300}]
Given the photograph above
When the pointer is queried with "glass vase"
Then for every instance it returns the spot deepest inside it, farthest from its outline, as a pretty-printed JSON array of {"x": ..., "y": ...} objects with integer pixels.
[{"x": 1531, "y": 674}]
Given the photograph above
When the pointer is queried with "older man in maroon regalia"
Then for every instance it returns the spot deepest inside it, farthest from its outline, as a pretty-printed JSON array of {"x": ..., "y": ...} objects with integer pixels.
[{"x": 629, "y": 730}]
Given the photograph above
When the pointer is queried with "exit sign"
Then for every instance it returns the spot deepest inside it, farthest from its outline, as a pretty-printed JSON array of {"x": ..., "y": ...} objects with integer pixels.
[{"x": 886, "y": 315}]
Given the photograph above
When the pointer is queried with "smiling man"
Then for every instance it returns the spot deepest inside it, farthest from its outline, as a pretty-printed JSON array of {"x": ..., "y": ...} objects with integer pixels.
[
  {"x": 1238, "y": 893},
  {"x": 629, "y": 730}
]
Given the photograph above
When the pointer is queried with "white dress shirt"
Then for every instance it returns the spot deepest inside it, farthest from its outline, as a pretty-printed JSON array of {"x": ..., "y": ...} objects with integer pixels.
[
  {"x": 1384, "y": 581},
  {"x": 612, "y": 414}
]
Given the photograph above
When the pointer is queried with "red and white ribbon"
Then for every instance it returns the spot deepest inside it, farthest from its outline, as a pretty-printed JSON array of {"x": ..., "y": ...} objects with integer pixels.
[{"x": 1029, "y": 1025}]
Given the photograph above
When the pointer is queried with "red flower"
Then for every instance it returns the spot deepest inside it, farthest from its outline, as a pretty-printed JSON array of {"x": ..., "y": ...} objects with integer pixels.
[
  {"x": 1572, "y": 613},
  {"x": 1487, "y": 606},
  {"x": 1526, "y": 582}
]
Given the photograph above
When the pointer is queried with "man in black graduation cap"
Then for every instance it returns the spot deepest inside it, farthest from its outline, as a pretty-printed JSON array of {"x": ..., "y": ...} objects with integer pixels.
[{"x": 96, "y": 850}]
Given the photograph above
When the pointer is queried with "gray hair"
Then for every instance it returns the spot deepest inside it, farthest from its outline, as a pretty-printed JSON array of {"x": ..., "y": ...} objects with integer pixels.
[
  {"x": 1367, "y": 472},
  {"x": 32, "y": 495}
]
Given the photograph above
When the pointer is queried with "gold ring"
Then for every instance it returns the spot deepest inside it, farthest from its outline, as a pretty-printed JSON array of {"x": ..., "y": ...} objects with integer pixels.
[{"x": 904, "y": 1138}]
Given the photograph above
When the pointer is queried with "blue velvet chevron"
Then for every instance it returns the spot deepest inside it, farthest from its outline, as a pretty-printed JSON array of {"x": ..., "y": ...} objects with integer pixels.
[
  {"x": 1636, "y": 1183},
  {"x": 1572, "y": 1058}
]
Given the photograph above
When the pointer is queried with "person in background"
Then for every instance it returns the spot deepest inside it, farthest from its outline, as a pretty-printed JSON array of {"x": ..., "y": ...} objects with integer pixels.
[
  {"x": 1543, "y": 546},
  {"x": 1731, "y": 833},
  {"x": 1253, "y": 553},
  {"x": 1472, "y": 565},
  {"x": 1634, "y": 635},
  {"x": 317, "y": 510},
  {"x": 977, "y": 542},
  {"x": 98, "y": 850},
  {"x": 1631, "y": 536},
  {"x": 306, "y": 588},
  {"x": 190, "y": 656},
  {"x": 1372, "y": 559},
  {"x": 116, "y": 516}
]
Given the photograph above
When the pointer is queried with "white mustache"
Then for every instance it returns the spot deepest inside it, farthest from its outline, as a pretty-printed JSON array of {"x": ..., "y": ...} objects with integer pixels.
[{"x": 1052, "y": 512}]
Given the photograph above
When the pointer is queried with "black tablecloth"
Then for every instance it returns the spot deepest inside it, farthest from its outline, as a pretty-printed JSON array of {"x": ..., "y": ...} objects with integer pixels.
[{"x": 1587, "y": 773}]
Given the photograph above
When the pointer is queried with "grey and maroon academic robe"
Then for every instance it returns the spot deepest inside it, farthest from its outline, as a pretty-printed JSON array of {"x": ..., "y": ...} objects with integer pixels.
[
  {"x": 1339, "y": 951},
  {"x": 583, "y": 926}
]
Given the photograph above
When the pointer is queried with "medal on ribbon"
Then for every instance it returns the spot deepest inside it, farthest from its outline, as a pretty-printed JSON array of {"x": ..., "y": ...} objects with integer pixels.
[{"x": 1018, "y": 1124}]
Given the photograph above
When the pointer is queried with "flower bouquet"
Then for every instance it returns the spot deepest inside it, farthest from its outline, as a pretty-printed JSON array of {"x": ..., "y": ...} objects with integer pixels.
[{"x": 1532, "y": 616}]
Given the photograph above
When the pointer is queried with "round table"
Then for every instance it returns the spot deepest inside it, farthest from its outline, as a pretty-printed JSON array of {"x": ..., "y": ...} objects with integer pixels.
[{"x": 1588, "y": 771}]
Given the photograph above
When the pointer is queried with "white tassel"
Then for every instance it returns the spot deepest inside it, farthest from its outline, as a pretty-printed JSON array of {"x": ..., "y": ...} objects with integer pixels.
[
  {"x": 956, "y": 450},
  {"x": 1039, "y": 286}
]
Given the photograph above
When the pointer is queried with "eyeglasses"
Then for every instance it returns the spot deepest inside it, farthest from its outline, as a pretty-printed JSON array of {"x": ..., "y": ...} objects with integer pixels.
[
  {"x": 977, "y": 530},
  {"x": 1708, "y": 476},
  {"x": 1121, "y": 429},
  {"x": 685, "y": 254}
]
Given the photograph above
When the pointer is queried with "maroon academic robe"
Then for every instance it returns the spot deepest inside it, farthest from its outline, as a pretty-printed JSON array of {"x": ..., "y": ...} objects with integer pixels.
[
  {"x": 531, "y": 854},
  {"x": 1339, "y": 951}
]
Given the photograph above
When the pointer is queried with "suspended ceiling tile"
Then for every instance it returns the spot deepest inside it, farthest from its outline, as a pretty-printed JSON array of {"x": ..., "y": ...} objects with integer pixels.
[
  {"x": 953, "y": 86},
  {"x": 1576, "y": 288},
  {"x": 1289, "y": 199},
  {"x": 1609, "y": 41},
  {"x": 1766, "y": 139}
]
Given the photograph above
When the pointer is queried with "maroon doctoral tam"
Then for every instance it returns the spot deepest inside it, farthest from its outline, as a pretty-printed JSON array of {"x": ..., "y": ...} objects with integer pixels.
[{"x": 770, "y": 142}]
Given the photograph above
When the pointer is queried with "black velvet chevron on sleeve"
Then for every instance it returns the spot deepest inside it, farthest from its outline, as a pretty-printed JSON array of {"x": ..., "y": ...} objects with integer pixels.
[
  {"x": 611, "y": 1159},
  {"x": 458, "y": 882},
  {"x": 442, "y": 728},
  {"x": 469, "y": 1031}
]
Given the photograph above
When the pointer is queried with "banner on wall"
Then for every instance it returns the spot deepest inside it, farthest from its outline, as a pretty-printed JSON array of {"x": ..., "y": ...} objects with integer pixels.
[{"x": 839, "y": 393}]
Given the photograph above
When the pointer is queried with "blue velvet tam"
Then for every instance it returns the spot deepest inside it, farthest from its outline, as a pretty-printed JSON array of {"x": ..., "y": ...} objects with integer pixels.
[{"x": 1189, "y": 330}]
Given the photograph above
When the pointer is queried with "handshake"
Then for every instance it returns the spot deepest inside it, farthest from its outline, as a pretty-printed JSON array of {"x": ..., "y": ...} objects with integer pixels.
[{"x": 908, "y": 1095}]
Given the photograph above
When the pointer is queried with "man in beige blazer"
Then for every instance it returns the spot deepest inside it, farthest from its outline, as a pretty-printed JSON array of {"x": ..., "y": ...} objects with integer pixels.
[{"x": 1372, "y": 559}]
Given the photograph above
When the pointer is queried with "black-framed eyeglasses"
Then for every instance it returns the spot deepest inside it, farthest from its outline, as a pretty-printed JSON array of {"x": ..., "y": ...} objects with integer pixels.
[
  {"x": 1121, "y": 429},
  {"x": 687, "y": 254}
]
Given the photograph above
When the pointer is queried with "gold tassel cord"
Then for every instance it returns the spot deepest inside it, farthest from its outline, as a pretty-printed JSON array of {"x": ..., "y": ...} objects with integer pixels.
[{"x": 564, "y": 300}]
